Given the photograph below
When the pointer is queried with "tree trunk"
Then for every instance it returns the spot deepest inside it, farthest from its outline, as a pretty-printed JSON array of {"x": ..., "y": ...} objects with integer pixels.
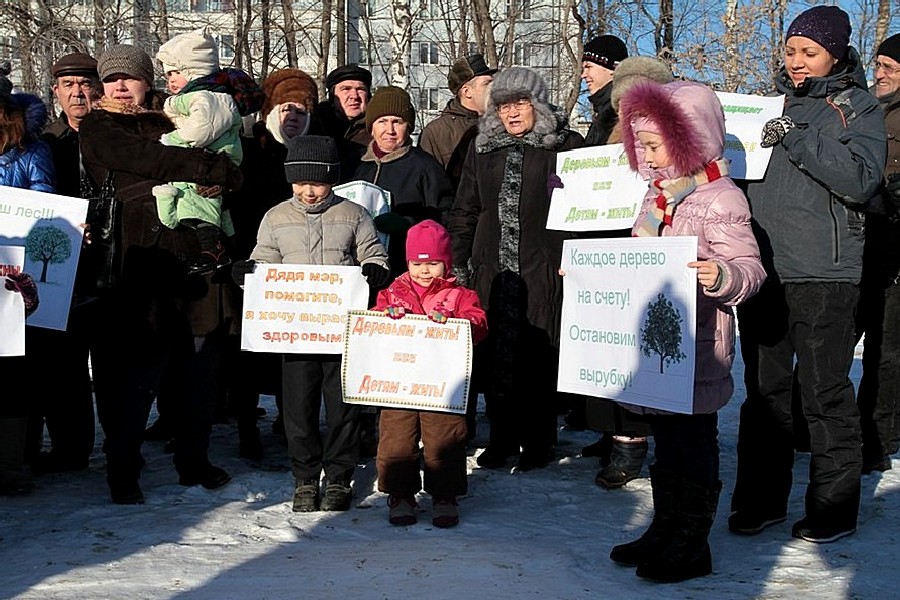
[
  {"x": 340, "y": 51},
  {"x": 290, "y": 32},
  {"x": 731, "y": 64},
  {"x": 666, "y": 50},
  {"x": 401, "y": 39},
  {"x": 882, "y": 22},
  {"x": 325, "y": 40},
  {"x": 141, "y": 26},
  {"x": 163, "y": 27},
  {"x": 574, "y": 49},
  {"x": 484, "y": 31}
]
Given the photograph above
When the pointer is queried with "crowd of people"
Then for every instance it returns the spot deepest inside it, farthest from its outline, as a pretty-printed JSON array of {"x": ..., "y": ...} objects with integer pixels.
[{"x": 188, "y": 207}]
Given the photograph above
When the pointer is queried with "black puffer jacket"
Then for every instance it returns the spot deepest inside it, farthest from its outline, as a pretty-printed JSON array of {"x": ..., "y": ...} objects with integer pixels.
[{"x": 808, "y": 211}]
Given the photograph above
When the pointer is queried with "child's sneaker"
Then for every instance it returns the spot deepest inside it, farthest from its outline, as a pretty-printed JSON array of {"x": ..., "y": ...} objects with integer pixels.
[
  {"x": 337, "y": 496},
  {"x": 402, "y": 511},
  {"x": 445, "y": 513},
  {"x": 306, "y": 495}
]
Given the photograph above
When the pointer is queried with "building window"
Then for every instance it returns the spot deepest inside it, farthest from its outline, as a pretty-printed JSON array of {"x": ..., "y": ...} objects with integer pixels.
[
  {"x": 9, "y": 43},
  {"x": 429, "y": 8},
  {"x": 213, "y": 5},
  {"x": 519, "y": 9},
  {"x": 522, "y": 54},
  {"x": 428, "y": 54},
  {"x": 177, "y": 6},
  {"x": 371, "y": 7},
  {"x": 429, "y": 99},
  {"x": 226, "y": 46}
]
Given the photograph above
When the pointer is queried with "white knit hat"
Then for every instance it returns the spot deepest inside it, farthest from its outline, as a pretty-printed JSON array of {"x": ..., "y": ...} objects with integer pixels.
[{"x": 193, "y": 54}]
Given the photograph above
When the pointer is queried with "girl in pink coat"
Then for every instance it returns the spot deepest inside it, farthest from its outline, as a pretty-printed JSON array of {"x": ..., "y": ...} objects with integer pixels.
[
  {"x": 426, "y": 289},
  {"x": 674, "y": 135}
]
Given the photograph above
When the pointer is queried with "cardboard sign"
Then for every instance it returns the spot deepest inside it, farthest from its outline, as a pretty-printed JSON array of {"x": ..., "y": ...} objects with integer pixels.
[
  {"x": 12, "y": 306},
  {"x": 629, "y": 321},
  {"x": 371, "y": 197},
  {"x": 48, "y": 226},
  {"x": 300, "y": 309},
  {"x": 411, "y": 362},
  {"x": 745, "y": 116},
  {"x": 600, "y": 192}
]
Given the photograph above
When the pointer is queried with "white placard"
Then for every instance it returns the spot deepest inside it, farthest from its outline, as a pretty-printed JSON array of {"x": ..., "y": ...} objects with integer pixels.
[
  {"x": 745, "y": 116},
  {"x": 629, "y": 321},
  {"x": 12, "y": 306},
  {"x": 300, "y": 309},
  {"x": 371, "y": 197},
  {"x": 600, "y": 193},
  {"x": 407, "y": 363},
  {"x": 49, "y": 227}
]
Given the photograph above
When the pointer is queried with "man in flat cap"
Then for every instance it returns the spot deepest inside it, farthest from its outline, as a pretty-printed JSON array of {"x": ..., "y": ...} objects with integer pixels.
[
  {"x": 343, "y": 115},
  {"x": 66, "y": 404},
  {"x": 468, "y": 80}
]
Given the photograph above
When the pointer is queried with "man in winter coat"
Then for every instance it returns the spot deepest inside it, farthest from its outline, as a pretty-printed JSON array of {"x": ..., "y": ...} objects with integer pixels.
[
  {"x": 66, "y": 403},
  {"x": 601, "y": 57},
  {"x": 343, "y": 115},
  {"x": 447, "y": 138},
  {"x": 879, "y": 304}
]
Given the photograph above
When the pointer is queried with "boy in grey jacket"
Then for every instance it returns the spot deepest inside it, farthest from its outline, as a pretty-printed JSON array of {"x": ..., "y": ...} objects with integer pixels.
[{"x": 316, "y": 227}]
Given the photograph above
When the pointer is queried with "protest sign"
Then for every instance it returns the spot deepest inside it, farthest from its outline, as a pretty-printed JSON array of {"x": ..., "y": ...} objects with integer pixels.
[
  {"x": 371, "y": 197},
  {"x": 49, "y": 228},
  {"x": 600, "y": 191},
  {"x": 297, "y": 309},
  {"x": 12, "y": 306},
  {"x": 628, "y": 321},
  {"x": 745, "y": 116},
  {"x": 407, "y": 363}
]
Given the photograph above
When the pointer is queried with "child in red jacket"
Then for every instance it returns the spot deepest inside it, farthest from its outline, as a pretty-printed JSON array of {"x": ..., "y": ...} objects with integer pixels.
[{"x": 426, "y": 289}]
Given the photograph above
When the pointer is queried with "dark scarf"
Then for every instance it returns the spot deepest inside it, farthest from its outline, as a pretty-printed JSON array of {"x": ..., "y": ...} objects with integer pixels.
[{"x": 604, "y": 117}]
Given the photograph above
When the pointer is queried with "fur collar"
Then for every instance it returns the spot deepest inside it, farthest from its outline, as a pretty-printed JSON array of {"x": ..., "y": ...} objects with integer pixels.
[{"x": 549, "y": 130}]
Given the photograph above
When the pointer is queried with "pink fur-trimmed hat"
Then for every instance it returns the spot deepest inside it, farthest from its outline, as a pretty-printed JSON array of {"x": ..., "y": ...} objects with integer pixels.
[{"x": 687, "y": 115}]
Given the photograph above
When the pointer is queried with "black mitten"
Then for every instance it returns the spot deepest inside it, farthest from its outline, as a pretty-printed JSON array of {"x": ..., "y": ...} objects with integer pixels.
[
  {"x": 240, "y": 269},
  {"x": 376, "y": 276}
]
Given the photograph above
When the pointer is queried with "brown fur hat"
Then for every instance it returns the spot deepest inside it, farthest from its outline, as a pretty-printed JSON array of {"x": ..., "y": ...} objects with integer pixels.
[{"x": 289, "y": 85}]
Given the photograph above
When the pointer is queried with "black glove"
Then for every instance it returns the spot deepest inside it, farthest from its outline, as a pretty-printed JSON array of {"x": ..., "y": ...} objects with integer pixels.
[
  {"x": 775, "y": 129},
  {"x": 376, "y": 276},
  {"x": 239, "y": 270},
  {"x": 392, "y": 223}
]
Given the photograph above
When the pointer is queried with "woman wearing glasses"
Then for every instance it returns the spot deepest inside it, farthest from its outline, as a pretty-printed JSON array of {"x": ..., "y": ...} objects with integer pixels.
[
  {"x": 501, "y": 246},
  {"x": 827, "y": 162}
]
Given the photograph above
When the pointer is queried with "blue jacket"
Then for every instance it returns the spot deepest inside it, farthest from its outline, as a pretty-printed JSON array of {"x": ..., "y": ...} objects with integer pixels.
[
  {"x": 30, "y": 167},
  {"x": 808, "y": 211}
]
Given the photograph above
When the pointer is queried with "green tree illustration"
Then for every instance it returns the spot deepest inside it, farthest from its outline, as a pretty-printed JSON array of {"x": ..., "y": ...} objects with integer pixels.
[
  {"x": 661, "y": 333},
  {"x": 47, "y": 244}
]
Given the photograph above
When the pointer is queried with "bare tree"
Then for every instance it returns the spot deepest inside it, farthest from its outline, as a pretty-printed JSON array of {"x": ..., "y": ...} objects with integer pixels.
[
  {"x": 401, "y": 41},
  {"x": 484, "y": 30},
  {"x": 882, "y": 22}
]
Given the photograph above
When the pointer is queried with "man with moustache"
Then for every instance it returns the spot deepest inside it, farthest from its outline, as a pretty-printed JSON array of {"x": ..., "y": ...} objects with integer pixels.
[{"x": 65, "y": 402}]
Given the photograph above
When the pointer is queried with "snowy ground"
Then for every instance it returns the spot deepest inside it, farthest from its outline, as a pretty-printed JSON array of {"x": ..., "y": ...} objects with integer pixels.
[{"x": 542, "y": 534}]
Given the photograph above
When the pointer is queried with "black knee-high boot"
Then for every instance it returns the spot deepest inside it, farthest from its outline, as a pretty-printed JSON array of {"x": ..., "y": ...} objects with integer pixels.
[{"x": 666, "y": 491}]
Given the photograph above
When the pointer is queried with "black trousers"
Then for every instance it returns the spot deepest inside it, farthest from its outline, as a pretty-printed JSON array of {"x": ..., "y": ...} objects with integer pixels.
[
  {"x": 688, "y": 445},
  {"x": 879, "y": 388},
  {"x": 307, "y": 379},
  {"x": 814, "y": 323}
]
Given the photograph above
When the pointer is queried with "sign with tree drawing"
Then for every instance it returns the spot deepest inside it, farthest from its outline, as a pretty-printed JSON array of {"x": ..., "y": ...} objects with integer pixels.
[
  {"x": 48, "y": 226},
  {"x": 628, "y": 321}
]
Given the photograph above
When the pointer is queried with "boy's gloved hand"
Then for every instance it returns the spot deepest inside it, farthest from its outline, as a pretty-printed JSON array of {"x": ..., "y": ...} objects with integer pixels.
[
  {"x": 240, "y": 269},
  {"x": 775, "y": 129},
  {"x": 392, "y": 223},
  {"x": 24, "y": 284},
  {"x": 440, "y": 314},
  {"x": 395, "y": 312},
  {"x": 376, "y": 276}
]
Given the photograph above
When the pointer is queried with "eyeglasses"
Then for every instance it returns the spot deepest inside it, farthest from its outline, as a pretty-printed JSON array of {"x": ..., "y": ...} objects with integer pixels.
[
  {"x": 520, "y": 104},
  {"x": 886, "y": 68}
]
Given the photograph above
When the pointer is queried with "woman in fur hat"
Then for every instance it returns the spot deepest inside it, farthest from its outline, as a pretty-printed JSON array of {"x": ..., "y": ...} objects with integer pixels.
[
  {"x": 290, "y": 97},
  {"x": 155, "y": 323},
  {"x": 501, "y": 245}
]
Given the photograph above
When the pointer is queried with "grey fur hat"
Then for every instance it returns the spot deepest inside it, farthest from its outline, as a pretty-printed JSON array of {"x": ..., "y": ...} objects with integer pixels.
[
  {"x": 636, "y": 69},
  {"x": 515, "y": 83}
]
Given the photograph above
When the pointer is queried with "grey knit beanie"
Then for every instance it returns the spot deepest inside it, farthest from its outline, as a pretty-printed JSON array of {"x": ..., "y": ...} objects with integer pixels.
[
  {"x": 518, "y": 82},
  {"x": 635, "y": 69},
  {"x": 312, "y": 158},
  {"x": 128, "y": 60}
]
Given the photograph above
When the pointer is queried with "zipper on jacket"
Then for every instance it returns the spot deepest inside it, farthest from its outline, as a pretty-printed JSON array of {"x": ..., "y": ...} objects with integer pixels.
[{"x": 835, "y": 232}]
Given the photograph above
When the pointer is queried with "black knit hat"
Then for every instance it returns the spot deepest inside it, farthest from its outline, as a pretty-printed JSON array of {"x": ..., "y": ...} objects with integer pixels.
[
  {"x": 76, "y": 63},
  {"x": 827, "y": 26},
  {"x": 605, "y": 50},
  {"x": 348, "y": 73},
  {"x": 312, "y": 158},
  {"x": 890, "y": 47},
  {"x": 390, "y": 101}
]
